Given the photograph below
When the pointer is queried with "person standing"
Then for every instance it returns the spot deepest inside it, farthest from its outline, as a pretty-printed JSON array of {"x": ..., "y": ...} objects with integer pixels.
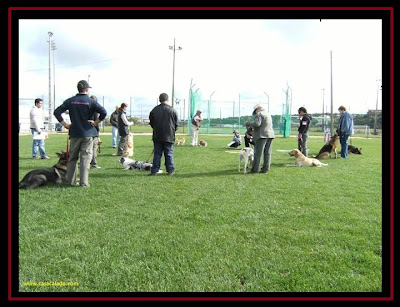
[
  {"x": 115, "y": 137},
  {"x": 195, "y": 128},
  {"x": 263, "y": 135},
  {"x": 93, "y": 163},
  {"x": 81, "y": 131},
  {"x": 344, "y": 130},
  {"x": 123, "y": 128},
  {"x": 302, "y": 136},
  {"x": 37, "y": 125},
  {"x": 164, "y": 121}
]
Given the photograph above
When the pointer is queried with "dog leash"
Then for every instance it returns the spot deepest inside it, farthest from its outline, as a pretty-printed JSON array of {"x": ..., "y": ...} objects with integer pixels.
[{"x": 150, "y": 156}]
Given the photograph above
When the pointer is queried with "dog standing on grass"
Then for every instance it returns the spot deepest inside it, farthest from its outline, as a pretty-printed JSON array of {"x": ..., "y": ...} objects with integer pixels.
[
  {"x": 246, "y": 154},
  {"x": 45, "y": 176},
  {"x": 302, "y": 160},
  {"x": 180, "y": 142},
  {"x": 128, "y": 149}
]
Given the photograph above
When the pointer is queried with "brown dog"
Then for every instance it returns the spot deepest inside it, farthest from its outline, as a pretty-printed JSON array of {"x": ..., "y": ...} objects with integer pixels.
[
  {"x": 302, "y": 160},
  {"x": 99, "y": 142},
  {"x": 329, "y": 148},
  {"x": 203, "y": 143},
  {"x": 180, "y": 142}
]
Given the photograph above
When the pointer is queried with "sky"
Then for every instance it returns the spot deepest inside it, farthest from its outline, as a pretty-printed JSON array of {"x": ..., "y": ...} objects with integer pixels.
[{"x": 254, "y": 60}]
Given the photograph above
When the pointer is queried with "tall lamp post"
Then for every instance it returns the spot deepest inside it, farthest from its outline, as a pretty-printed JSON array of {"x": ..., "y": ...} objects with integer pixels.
[
  {"x": 209, "y": 115},
  {"x": 173, "y": 70},
  {"x": 268, "y": 100},
  {"x": 50, "y": 123},
  {"x": 376, "y": 108},
  {"x": 53, "y": 47},
  {"x": 323, "y": 108}
]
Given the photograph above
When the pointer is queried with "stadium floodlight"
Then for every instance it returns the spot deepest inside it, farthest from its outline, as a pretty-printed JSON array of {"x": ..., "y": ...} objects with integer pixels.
[{"x": 173, "y": 71}]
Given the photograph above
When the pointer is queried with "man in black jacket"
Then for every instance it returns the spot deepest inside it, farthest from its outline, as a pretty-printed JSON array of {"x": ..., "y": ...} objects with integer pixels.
[
  {"x": 164, "y": 121},
  {"x": 302, "y": 136}
]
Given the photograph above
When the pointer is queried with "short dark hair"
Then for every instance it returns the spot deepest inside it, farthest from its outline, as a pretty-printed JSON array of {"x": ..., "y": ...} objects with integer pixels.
[
  {"x": 123, "y": 105},
  {"x": 163, "y": 97},
  {"x": 37, "y": 100},
  {"x": 302, "y": 109}
]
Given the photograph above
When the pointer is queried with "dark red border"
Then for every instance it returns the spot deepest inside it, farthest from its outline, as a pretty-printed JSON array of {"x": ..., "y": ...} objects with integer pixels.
[{"x": 390, "y": 298}]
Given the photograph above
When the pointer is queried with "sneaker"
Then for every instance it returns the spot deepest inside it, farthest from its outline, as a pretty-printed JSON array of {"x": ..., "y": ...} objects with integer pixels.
[
  {"x": 95, "y": 166},
  {"x": 264, "y": 172},
  {"x": 171, "y": 173},
  {"x": 152, "y": 174},
  {"x": 45, "y": 158},
  {"x": 35, "y": 158}
]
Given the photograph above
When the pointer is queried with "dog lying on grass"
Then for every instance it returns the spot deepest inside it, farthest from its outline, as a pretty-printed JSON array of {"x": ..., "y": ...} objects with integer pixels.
[
  {"x": 128, "y": 163},
  {"x": 246, "y": 154},
  {"x": 329, "y": 148},
  {"x": 354, "y": 150},
  {"x": 302, "y": 160},
  {"x": 203, "y": 143},
  {"x": 45, "y": 176}
]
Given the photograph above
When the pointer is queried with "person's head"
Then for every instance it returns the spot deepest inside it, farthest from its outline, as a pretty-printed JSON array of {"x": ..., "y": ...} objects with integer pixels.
[
  {"x": 302, "y": 111},
  {"x": 258, "y": 108},
  {"x": 83, "y": 86},
  {"x": 124, "y": 106},
  {"x": 198, "y": 112},
  {"x": 38, "y": 102},
  {"x": 93, "y": 97},
  {"x": 163, "y": 98},
  {"x": 342, "y": 109},
  {"x": 235, "y": 132}
]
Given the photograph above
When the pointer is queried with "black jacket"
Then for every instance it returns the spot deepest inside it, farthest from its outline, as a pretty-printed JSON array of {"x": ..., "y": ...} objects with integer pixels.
[
  {"x": 304, "y": 123},
  {"x": 164, "y": 121}
]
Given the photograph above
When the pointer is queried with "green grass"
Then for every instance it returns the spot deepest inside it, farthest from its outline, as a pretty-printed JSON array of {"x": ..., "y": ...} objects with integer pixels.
[{"x": 208, "y": 228}]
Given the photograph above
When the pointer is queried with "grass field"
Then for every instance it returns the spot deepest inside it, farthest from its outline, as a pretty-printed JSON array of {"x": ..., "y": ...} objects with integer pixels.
[{"x": 208, "y": 228}]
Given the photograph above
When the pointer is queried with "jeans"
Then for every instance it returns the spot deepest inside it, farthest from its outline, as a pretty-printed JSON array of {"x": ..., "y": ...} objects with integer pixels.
[
  {"x": 115, "y": 137},
  {"x": 302, "y": 144},
  {"x": 168, "y": 150},
  {"x": 343, "y": 143},
  {"x": 38, "y": 144}
]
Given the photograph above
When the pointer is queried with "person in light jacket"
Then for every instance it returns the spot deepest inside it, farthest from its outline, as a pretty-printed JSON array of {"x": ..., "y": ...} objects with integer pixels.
[
  {"x": 344, "y": 130},
  {"x": 263, "y": 135}
]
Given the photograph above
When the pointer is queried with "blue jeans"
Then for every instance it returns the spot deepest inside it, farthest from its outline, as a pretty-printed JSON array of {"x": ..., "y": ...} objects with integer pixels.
[
  {"x": 168, "y": 150},
  {"x": 115, "y": 137},
  {"x": 38, "y": 144},
  {"x": 344, "y": 146}
]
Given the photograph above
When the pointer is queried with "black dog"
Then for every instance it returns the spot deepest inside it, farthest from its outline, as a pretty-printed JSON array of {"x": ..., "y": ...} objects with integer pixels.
[
  {"x": 44, "y": 176},
  {"x": 354, "y": 150}
]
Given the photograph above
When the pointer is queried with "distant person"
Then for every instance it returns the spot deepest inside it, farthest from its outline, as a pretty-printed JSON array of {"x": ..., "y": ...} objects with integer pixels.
[
  {"x": 115, "y": 137},
  {"x": 236, "y": 141},
  {"x": 263, "y": 135},
  {"x": 195, "y": 128},
  {"x": 344, "y": 130},
  {"x": 164, "y": 121},
  {"x": 248, "y": 137},
  {"x": 37, "y": 125},
  {"x": 93, "y": 163},
  {"x": 81, "y": 131},
  {"x": 123, "y": 128},
  {"x": 302, "y": 136}
]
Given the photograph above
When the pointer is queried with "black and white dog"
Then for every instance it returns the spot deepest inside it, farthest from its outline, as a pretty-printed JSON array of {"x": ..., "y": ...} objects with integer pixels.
[{"x": 128, "y": 163}]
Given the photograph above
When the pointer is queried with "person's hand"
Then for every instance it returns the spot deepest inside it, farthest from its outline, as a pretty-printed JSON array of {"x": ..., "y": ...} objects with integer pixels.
[{"x": 39, "y": 132}]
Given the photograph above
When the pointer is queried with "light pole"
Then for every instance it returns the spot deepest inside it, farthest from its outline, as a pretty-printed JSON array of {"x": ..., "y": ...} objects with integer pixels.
[
  {"x": 53, "y": 47},
  {"x": 268, "y": 100},
  {"x": 50, "y": 123},
  {"x": 173, "y": 70},
  {"x": 88, "y": 77},
  {"x": 376, "y": 108},
  {"x": 209, "y": 115},
  {"x": 323, "y": 108}
]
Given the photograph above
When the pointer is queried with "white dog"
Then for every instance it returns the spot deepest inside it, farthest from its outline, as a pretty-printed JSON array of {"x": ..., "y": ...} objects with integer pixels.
[
  {"x": 302, "y": 160},
  {"x": 247, "y": 154},
  {"x": 128, "y": 163}
]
